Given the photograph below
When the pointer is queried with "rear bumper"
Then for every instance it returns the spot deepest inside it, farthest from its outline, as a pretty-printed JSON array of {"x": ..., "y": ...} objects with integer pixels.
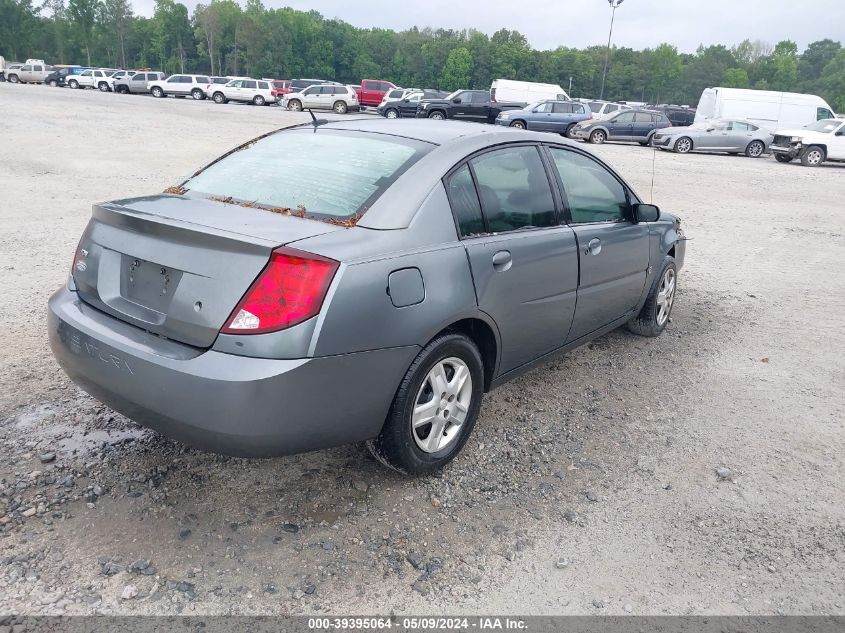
[{"x": 220, "y": 402}]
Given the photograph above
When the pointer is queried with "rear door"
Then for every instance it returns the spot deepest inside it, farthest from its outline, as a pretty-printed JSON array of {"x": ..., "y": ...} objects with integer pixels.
[
  {"x": 524, "y": 262},
  {"x": 642, "y": 126},
  {"x": 613, "y": 252},
  {"x": 248, "y": 90}
]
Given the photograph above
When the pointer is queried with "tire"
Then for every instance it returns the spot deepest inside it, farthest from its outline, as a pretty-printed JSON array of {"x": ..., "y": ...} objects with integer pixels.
[
  {"x": 519, "y": 125},
  {"x": 437, "y": 115},
  {"x": 598, "y": 137},
  {"x": 783, "y": 158},
  {"x": 103, "y": 86},
  {"x": 755, "y": 149},
  {"x": 409, "y": 449},
  {"x": 219, "y": 98},
  {"x": 123, "y": 90},
  {"x": 295, "y": 105},
  {"x": 683, "y": 145},
  {"x": 53, "y": 83},
  {"x": 813, "y": 156},
  {"x": 391, "y": 113},
  {"x": 13, "y": 79},
  {"x": 654, "y": 316},
  {"x": 73, "y": 84},
  {"x": 647, "y": 142},
  {"x": 197, "y": 94},
  {"x": 568, "y": 132},
  {"x": 259, "y": 100},
  {"x": 340, "y": 107},
  {"x": 157, "y": 92}
]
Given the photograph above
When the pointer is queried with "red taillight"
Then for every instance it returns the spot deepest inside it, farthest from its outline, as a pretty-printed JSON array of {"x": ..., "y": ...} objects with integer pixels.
[{"x": 289, "y": 290}]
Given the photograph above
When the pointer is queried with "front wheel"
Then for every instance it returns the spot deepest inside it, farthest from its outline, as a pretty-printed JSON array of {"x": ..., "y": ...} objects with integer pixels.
[
  {"x": 598, "y": 137},
  {"x": 295, "y": 105},
  {"x": 436, "y": 115},
  {"x": 519, "y": 125},
  {"x": 435, "y": 407},
  {"x": 813, "y": 156},
  {"x": 73, "y": 84},
  {"x": 158, "y": 93},
  {"x": 392, "y": 113},
  {"x": 783, "y": 158},
  {"x": 197, "y": 94},
  {"x": 52, "y": 83},
  {"x": 654, "y": 316},
  {"x": 683, "y": 145},
  {"x": 755, "y": 149}
]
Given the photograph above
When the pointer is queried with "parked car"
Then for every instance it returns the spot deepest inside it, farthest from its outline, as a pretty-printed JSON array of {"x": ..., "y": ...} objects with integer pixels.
[
  {"x": 58, "y": 78},
  {"x": 337, "y": 97},
  {"x": 465, "y": 105},
  {"x": 6, "y": 66},
  {"x": 547, "y": 116},
  {"x": 819, "y": 142},
  {"x": 630, "y": 125},
  {"x": 407, "y": 105},
  {"x": 91, "y": 78},
  {"x": 678, "y": 115},
  {"x": 327, "y": 284},
  {"x": 254, "y": 91},
  {"x": 605, "y": 109},
  {"x": 282, "y": 87},
  {"x": 766, "y": 108},
  {"x": 372, "y": 91},
  {"x": 715, "y": 135},
  {"x": 525, "y": 92},
  {"x": 397, "y": 94},
  {"x": 180, "y": 86},
  {"x": 34, "y": 71},
  {"x": 139, "y": 83}
]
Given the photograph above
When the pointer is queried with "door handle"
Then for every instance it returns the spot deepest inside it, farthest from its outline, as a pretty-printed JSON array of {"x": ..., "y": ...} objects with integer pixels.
[
  {"x": 593, "y": 247},
  {"x": 502, "y": 261}
]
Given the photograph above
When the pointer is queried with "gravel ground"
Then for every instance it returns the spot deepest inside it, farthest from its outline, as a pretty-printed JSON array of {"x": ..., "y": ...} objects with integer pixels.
[{"x": 697, "y": 473}]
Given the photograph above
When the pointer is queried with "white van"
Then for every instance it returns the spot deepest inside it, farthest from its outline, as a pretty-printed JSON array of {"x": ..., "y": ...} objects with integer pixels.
[
  {"x": 766, "y": 108},
  {"x": 504, "y": 90}
]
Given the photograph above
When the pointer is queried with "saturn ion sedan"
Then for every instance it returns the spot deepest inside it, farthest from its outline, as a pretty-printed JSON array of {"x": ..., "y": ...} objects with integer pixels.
[
  {"x": 358, "y": 281},
  {"x": 715, "y": 135}
]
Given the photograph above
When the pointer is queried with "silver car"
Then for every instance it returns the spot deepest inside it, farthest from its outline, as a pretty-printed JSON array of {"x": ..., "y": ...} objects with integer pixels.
[
  {"x": 362, "y": 280},
  {"x": 341, "y": 99},
  {"x": 734, "y": 136}
]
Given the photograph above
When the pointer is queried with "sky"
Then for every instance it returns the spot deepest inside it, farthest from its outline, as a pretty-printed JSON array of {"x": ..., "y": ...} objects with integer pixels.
[{"x": 579, "y": 23}]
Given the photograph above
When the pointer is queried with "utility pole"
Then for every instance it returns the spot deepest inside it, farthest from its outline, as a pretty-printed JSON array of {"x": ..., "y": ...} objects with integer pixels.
[{"x": 613, "y": 5}]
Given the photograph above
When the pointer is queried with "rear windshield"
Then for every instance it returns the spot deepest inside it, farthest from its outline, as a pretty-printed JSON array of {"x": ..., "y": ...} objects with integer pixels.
[{"x": 323, "y": 172}]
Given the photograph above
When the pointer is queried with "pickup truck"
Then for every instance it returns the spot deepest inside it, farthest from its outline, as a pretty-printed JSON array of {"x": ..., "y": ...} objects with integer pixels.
[
  {"x": 372, "y": 91},
  {"x": 465, "y": 105},
  {"x": 34, "y": 71}
]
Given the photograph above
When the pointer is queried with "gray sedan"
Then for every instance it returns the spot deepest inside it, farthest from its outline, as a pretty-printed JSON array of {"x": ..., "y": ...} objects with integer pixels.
[
  {"x": 360, "y": 280},
  {"x": 732, "y": 136}
]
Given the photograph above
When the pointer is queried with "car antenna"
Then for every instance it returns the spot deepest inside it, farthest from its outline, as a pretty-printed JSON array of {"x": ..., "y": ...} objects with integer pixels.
[{"x": 315, "y": 121}]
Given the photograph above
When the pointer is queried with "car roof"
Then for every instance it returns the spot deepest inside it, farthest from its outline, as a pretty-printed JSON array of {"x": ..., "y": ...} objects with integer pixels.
[{"x": 434, "y": 132}]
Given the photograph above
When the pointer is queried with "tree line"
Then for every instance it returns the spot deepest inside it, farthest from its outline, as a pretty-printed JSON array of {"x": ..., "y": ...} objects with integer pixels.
[{"x": 225, "y": 38}]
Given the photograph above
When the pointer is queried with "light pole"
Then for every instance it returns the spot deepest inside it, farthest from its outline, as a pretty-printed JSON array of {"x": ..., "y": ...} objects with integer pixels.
[{"x": 613, "y": 5}]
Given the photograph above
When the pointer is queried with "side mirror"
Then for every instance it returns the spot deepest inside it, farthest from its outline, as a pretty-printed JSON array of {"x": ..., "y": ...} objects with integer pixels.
[
  {"x": 456, "y": 100},
  {"x": 645, "y": 213}
]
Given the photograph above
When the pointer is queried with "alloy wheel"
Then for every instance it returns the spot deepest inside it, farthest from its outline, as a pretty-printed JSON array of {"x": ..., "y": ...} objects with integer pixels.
[
  {"x": 441, "y": 405},
  {"x": 683, "y": 145},
  {"x": 814, "y": 157},
  {"x": 755, "y": 150},
  {"x": 391, "y": 114},
  {"x": 665, "y": 296}
]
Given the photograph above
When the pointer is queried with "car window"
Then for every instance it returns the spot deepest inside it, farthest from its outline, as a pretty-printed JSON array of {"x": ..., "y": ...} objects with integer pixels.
[
  {"x": 86, "y": 73},
  {"x": 26, "y": 68},
  {"x": 625, "y": 117},
  {"x": 514, "y": 189},
  {"x": 237, "y": 83},
  {"x": 311, "y": 91},
  {"x": 611, "y": 107},
  {"x": 250, "y": 84},
  {"x": 200, "y": 79},
  {"x": 415, "y": 98},
  {"x": 463, "y": 198},
  {"x": 38, "y": 69},
  {"x": 544, "y": 107},
  {"x": 593, "y": 194},
  {"x": 595, "y": 106},
  {"x": 738, "y": 126},
  {"x": 823, "y": 113},
  {"x": 263, "y": 85},
  {"x": 327, "y": 90},
  {"x": 642, "y": 117},
  {"x": 139, "y": 77},
  {"x": 565, "y": 108},
  {"x": 336, "y": 173},
  {"x": 174, "y": 79}
]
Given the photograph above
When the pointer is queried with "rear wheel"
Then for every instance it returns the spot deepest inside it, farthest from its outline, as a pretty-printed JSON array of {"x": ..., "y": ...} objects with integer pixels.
[
  {"x": 569, "y": 128},
  {"x": 13, "y": 79},
  {"x": 783, "y": 158},
  {"x": 683, "y": 145},
  {"x": 813, "y": 156},
  {"x": 340, "y": 107},
  {"x": 437, "y": 115},
  {"x": 654, "y": 316},
  {"x": 755, "y": 149},
  {"x": 259, "y": 100},
  {"x": 435, "y": 407},
  {"x": 520, "y": 125},
  {"x": 391, "y": 113},
  {"x": 598, "y": 137},
  {"x": 295, "y": 105},
  {"x": 197, "y": 94},
  {"x": 158, "y": 93}
]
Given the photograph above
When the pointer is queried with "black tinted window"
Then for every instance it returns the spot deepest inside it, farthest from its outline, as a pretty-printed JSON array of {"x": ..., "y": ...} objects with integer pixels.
[
  {"x": 592, "y": 192},
  {"x": 464, "y": 200},
  {"x": 248, "y": 84},
  {"x": 514, "y": 189},
  {"x": 139, "y": 77}
]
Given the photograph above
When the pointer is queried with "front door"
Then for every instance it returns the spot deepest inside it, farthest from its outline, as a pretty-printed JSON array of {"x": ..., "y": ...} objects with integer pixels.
[
  {"x": 524, "y": 263},
  {"x": 613, "y": 252},
  {"x": 620, "y": 126},
  {"x": 836, "y": 145}
]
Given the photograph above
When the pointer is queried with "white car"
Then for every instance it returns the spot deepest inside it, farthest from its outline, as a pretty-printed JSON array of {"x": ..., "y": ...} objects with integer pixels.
[
  {"x": 814, "y": 144},
  {"x": 603, "y": 109},
  {"x": 248, "y": 90},
  {"x": 341, "y": 99},
  {"x": 181, "y": 86},
  {"x": 91, "y": 78}
]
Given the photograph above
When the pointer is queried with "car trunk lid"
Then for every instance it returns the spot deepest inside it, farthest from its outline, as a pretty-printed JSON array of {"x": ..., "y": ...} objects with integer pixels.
[{"x": 178, "y": 265}]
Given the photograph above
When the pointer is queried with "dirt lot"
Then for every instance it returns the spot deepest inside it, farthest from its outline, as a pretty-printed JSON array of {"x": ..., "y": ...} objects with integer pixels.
[{"x": 590, "y": 485}]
